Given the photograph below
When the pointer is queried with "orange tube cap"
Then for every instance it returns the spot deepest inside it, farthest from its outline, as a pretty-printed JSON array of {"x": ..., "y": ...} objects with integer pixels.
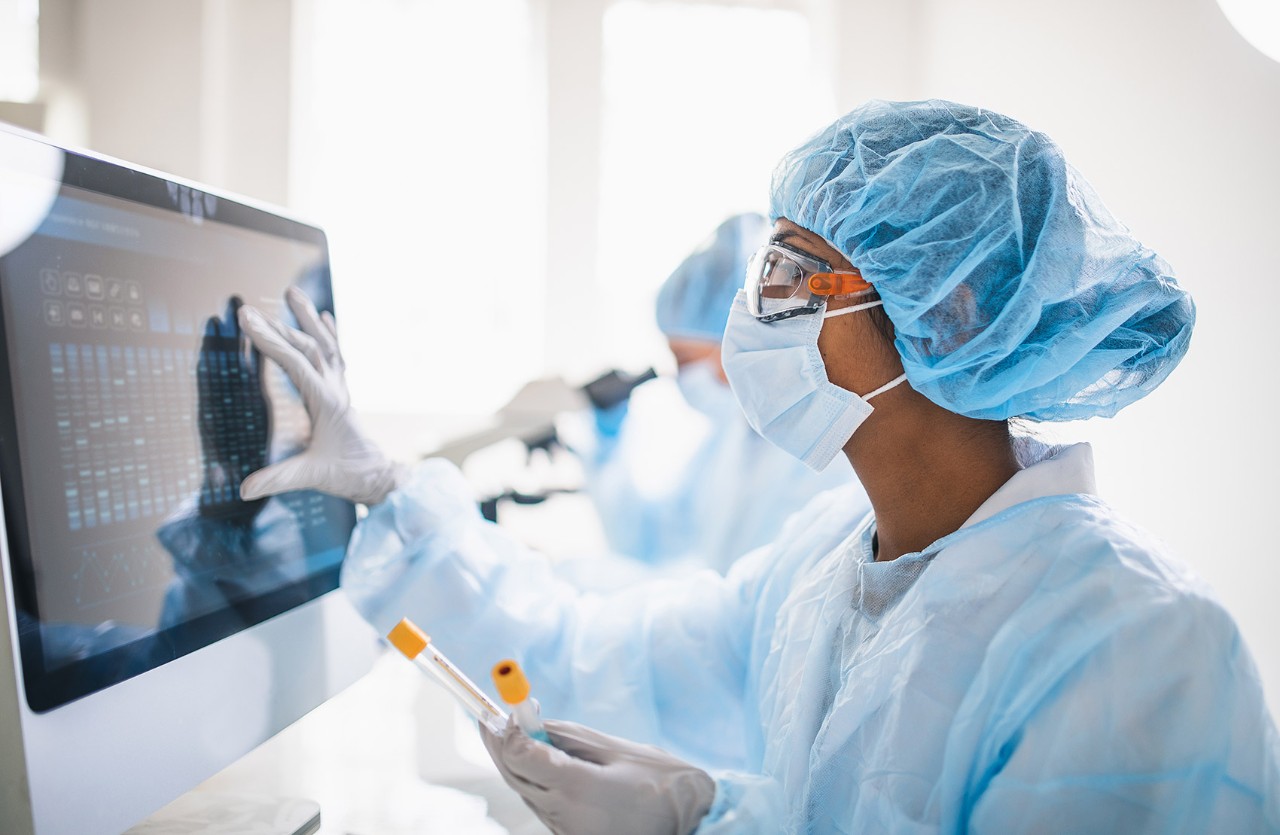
[
  {"x": 408, "y": 638},
  {"x": 512, "y": 686}
]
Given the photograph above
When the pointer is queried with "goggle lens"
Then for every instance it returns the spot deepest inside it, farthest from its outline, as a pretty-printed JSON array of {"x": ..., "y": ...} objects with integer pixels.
[{"x": 781, "y": 283}]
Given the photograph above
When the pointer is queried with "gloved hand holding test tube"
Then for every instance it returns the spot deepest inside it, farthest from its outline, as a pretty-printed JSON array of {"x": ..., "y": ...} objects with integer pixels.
[{"x": 416, "y": 646}]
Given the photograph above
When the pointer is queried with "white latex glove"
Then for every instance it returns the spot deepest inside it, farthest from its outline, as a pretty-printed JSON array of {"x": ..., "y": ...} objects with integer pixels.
[
  {"x": 340, "y": 460},
  {"x": 591, "y": 782}
]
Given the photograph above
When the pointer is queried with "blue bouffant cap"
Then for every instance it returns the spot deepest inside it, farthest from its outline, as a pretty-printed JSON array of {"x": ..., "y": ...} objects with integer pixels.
[
  {"x": 694, "y": 301},
  {"x": 1012, "y": 290}
]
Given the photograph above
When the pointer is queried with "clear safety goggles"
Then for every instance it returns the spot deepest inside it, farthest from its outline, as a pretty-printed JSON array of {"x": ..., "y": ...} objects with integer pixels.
[{"x": 783, "y": 282}]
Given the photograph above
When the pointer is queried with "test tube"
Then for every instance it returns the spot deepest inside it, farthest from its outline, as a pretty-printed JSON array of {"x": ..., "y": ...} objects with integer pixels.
[
  {"x": 417, "y": 647},
  {"x": 513, "y": 687}
]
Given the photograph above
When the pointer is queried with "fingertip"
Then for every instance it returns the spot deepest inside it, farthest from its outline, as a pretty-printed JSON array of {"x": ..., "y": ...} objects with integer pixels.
[
  {"x": 559, "y": 729},
  {"x": 578, "y": 741},
  {"x": 248, "y": 491},
  {"x": 256, "y": 485},
  {"x": 298, "y": 299}
]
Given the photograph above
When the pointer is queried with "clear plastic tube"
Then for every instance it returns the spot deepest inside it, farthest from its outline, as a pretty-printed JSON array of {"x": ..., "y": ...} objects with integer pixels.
[
  {"x": 416, "y": 645},
  {"x": 527, "y": 718}
]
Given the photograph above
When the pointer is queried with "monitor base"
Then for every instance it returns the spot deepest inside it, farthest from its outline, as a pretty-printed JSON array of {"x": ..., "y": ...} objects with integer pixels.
[{"x": 215, "y": 813}]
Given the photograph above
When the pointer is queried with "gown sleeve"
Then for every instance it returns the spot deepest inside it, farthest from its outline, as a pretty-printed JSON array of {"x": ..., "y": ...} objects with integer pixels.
[
  {"x": 664, "y": 662},
  {"x": 745, "y": 804}
]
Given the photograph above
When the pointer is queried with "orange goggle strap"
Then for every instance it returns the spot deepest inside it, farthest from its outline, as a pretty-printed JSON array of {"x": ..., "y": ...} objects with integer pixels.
[{"x": 838, "y": 284}]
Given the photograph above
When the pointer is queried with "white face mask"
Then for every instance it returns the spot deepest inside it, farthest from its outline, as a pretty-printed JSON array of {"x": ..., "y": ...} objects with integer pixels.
[
  {"x": 701, "y": 387},
  {"x": 778, "y": 376}
]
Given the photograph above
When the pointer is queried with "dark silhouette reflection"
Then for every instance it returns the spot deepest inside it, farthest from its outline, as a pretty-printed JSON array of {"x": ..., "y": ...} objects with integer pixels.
[{"x": 227, "y": 551}]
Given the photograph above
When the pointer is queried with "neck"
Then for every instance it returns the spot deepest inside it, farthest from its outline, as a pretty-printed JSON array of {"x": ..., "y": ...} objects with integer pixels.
[{"x": 925, "y": 469}]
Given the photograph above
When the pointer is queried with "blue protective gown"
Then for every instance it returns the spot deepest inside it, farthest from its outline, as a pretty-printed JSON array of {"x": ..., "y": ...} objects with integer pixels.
[
  {"x": 679, "y": 487},
  {"x": 1046, "y": 668}
]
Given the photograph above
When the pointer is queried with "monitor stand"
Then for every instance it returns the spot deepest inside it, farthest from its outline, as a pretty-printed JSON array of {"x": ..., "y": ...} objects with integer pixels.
[{"x": 225, "y": 814}]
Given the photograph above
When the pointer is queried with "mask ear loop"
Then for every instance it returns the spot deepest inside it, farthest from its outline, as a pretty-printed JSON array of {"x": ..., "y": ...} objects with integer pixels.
[
  {"x": 853, "y": 309},
  {"x": 894, "y": 382}
]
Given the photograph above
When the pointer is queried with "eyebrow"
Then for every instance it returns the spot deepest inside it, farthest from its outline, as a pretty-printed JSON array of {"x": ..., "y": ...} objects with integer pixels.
[{"x": 782, "y": 237}]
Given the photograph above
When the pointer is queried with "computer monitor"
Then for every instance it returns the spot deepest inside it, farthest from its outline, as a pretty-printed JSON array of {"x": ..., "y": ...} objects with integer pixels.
[{"x": 155, "y": 627}]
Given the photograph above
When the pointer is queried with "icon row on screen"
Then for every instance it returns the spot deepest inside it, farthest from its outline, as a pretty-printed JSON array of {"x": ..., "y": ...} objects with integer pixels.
[
  {"x": 89, "y": 286},
  {"x": 77, "y": 315}
]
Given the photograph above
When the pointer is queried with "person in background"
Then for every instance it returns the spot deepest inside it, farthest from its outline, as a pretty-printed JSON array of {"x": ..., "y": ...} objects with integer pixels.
[
  {"x": 687, "y": 484},
  {"x": 992, "y": 649}
]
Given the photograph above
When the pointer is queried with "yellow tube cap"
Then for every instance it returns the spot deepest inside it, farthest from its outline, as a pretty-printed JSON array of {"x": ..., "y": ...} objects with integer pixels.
[
  {"x": 408, "y": 638},
  {"x": 512, "y": 686}
]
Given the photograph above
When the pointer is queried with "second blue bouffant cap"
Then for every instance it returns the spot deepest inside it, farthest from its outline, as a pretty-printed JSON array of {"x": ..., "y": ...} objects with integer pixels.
[
  {"x": 694, "y": 301},
  {"x": 1012, "y": 289}
]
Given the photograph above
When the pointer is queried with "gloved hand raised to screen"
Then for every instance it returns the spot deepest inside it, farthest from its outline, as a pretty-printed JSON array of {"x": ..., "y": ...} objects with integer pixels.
[
  {"x": 591, "y": 782},
  {"x": 340, "y": 461}
]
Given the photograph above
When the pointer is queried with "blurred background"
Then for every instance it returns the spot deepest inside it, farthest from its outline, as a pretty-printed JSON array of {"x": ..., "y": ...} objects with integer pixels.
[{"x": 506, "y": 183}]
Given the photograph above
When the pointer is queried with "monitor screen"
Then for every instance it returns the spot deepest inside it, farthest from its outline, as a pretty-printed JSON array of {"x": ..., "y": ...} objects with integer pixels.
[{"x": 131, "y": 407}]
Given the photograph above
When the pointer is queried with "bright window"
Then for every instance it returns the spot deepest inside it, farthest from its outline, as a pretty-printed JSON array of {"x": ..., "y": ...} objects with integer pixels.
[
  {"x": 420, "y": 147},
  {"x": 19, "y": 56},
  {"x": 700, "y": 102}
]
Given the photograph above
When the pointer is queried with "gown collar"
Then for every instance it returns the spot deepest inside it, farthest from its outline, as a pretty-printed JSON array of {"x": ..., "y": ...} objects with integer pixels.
[{"x": 1047, "y": 471}]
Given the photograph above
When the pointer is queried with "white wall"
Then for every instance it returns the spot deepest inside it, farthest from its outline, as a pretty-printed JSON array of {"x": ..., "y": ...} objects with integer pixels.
[
  {"x": 1174, "y": 118},
  {"x": 199, "y": 88}
]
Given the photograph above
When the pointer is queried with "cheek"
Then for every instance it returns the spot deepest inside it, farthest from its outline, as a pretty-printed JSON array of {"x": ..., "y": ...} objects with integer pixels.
[
  {"x": 824, "y": 346},
  {"x": 856, "y": 355},
  {"x": 834, "y": 351}
]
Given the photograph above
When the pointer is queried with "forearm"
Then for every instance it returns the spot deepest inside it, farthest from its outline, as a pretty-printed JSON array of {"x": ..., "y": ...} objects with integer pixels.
[{"x": 614, "y": 661}]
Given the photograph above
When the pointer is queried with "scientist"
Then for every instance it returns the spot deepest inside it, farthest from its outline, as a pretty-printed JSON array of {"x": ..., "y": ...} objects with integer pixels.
[
  {"x": 679, "y": 487},
  {"x": 991, "y": 649}
]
